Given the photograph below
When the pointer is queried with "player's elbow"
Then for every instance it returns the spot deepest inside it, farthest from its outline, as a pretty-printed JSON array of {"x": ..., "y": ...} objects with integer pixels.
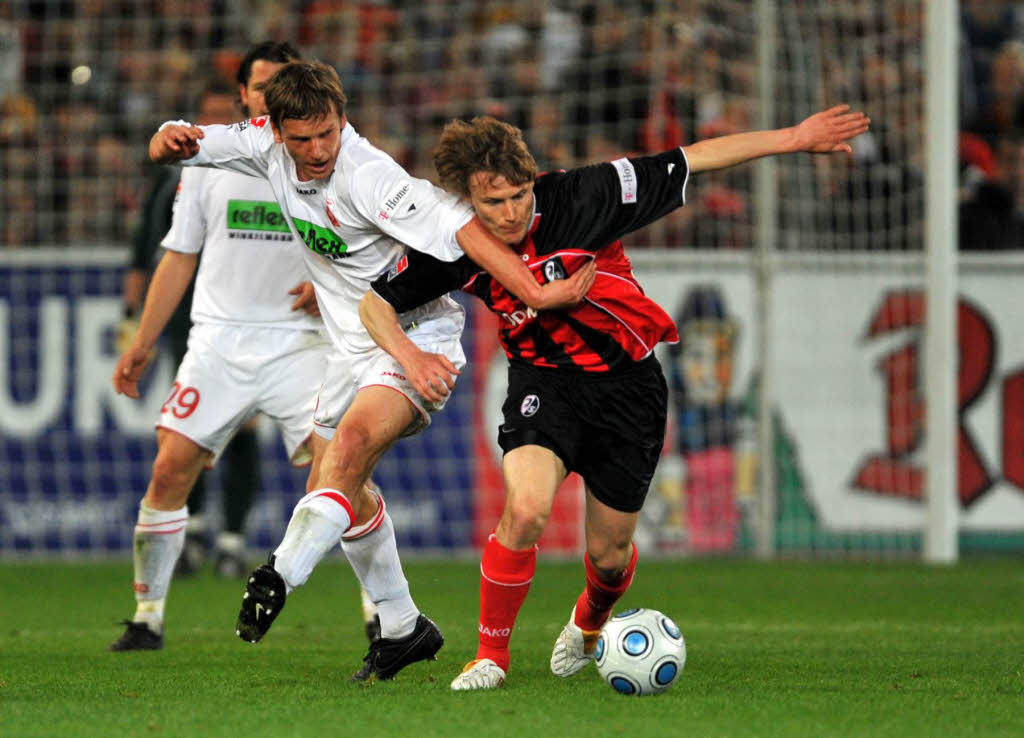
[
  {"x": 365, "y": 311},
  {"x": 373, "y": 311}
]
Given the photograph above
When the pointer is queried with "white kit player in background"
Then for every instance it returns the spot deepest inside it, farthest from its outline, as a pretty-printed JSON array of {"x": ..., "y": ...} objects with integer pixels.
[
  {"x": 355, "y": 212},
  {"x": 252, "y": 348}
]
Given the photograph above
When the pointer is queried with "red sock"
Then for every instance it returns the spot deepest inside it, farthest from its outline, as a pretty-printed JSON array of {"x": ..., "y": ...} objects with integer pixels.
[
  {"x": 595, "y": 603},
  {"x": 505, "y": 577}
]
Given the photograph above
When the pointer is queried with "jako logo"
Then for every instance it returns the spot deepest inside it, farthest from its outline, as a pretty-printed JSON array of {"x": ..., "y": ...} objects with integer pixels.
[
  {"x": 393, "y": 374},
  {"x": 311, "y": 191},
  {"x": 530, "y": 406},
  {"x": 495, "y": 632}
]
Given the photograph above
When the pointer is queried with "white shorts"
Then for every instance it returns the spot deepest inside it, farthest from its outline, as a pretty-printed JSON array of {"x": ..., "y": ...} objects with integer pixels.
[
  {"x": 350, "y": 371},
  {"x": 232, "y": 373}
]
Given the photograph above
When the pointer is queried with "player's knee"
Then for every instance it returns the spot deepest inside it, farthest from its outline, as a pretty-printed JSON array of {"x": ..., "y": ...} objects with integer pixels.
[
  {"x": 348, "y": 459},
  {"x": 350, "y": 447},
  {"x": 524, "y": 523},
  {"x": 170, "y": 484},
  {"x": 610, "y": 558}
]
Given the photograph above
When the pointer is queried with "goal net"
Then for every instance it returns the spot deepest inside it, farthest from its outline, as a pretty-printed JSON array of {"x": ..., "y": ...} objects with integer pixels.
[{"x": 797, "y": 391}]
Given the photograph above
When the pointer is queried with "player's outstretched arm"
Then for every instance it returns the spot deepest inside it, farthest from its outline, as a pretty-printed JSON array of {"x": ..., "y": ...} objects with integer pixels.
[
  {"x": 170, "y": 280},
  {"x": 824, "y": 132},
  {"x": 175, "y": 142},
  {"x": 432, "y": 375},
  {"x": 506, "y": 266}
]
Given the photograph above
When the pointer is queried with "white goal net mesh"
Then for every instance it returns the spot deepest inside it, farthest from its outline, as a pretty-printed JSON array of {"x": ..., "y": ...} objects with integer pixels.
[{"x": 83, "y": 84}]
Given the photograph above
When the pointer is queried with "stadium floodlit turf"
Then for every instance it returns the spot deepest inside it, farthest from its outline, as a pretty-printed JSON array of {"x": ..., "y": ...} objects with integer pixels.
[{"x": 774, "y": 649}]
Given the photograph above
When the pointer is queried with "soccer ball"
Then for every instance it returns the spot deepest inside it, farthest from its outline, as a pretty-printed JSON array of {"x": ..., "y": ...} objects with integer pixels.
[{"x": 640, "y": 652}]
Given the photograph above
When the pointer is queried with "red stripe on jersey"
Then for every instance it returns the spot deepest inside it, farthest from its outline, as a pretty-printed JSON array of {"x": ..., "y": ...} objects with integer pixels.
[
  {"x": 616, "y": 307},
  {"x": 583, "y": 356},
  {"x": 519, "y": 347}
]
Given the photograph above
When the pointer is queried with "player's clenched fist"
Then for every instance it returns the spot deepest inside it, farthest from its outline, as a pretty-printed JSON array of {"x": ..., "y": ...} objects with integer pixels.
[
  {"x": 433, "y": 375},
  {"x": 175, "y": 142}
]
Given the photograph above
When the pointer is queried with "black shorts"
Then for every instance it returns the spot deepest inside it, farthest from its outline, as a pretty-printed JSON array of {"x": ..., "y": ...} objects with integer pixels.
[{"x": 608, "y": 428}]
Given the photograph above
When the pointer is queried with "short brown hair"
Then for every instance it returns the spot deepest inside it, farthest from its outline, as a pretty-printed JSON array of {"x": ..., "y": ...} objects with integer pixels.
[
  {"x": 484, "y": 144},
  {"x": 302, "y": 90}
]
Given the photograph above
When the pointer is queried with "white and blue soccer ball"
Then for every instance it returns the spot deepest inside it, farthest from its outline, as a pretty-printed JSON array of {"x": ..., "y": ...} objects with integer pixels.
[{"x": 640, "y": 652}]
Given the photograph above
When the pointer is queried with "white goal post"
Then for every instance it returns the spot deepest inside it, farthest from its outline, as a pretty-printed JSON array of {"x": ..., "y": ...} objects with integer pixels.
[{"x": 941, "y": 61}]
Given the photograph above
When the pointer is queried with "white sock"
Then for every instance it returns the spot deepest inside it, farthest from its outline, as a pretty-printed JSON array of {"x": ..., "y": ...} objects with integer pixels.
[
  {"x": 150, "y": 612},
  {"x": 159, "y": 539},
  {"x": 318, "y": 522},
  {"x": 374, "y": 558},
  {"x": 369, "y": 609}
]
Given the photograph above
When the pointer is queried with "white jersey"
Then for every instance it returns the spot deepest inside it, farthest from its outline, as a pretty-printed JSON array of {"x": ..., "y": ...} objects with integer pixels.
[
  {"x": 354, "y": 225},
  {"x": 248, "y": 262}
]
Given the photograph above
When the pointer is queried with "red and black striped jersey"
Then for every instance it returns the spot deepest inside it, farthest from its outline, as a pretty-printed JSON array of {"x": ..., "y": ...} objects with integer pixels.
[{"x": 579, "y": 215}]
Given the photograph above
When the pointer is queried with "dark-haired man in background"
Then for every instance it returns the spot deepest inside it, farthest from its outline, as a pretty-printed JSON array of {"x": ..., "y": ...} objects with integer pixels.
[{"x": 252, "y": 348}]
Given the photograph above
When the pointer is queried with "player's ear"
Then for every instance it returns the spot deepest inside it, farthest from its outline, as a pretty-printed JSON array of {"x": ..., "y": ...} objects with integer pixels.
[{"x": 277, "y": 133}]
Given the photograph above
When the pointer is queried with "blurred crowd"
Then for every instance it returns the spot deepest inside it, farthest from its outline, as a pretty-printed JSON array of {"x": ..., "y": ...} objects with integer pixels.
[{"x": 84, "y": 83}]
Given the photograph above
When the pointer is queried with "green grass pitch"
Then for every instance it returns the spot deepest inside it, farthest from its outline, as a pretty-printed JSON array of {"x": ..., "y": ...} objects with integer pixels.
[{"x": 774, "y": 649}]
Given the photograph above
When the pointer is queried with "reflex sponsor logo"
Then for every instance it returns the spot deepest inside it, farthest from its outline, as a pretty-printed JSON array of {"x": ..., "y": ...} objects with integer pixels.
[
  {"x": 321, "y": 240},
  {"x": 256, "y": 215}
]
